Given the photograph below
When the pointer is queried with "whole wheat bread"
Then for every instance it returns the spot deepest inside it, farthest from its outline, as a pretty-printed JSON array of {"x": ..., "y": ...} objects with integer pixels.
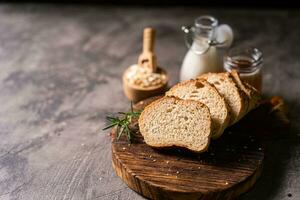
[
  {"x": 234, "y": 97},
  {"x": 170, "y": 121},
  {"x": 253, "y": 95},
  {"x": 202, "y": 91}
]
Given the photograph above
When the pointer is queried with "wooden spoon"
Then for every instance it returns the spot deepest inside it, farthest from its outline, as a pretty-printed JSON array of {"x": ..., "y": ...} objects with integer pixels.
[{"x": 147, "y": 58}]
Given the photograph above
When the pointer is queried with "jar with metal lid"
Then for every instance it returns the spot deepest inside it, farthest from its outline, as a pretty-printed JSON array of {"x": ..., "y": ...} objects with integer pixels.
[{"x": 247, "y": 61}]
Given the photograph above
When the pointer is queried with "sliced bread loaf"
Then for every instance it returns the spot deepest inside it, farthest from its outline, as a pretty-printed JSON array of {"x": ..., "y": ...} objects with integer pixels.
[
  {"x": 234, "y": 97},
  {"x": 253, "y": 95},
  {"x": 202, "y": 91},
  {"x": 170, "y": 121}
]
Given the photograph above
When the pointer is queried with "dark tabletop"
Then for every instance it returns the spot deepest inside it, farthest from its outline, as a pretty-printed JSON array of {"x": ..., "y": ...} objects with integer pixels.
[{"x": 60, "y": 76}]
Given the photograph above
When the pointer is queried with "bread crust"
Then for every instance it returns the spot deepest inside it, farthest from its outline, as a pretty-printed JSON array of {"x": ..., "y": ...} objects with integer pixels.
[
  {"x": 243, "y": 99},
  {"x": 246, "y": 97},
  {"x": 141, "y": 121},
  {"x": 203, "y": 81},
  {"x": 253, "y": 95}
]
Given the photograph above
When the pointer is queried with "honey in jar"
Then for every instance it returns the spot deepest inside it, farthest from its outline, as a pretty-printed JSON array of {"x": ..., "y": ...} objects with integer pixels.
[{"x": 247, "y": 62}]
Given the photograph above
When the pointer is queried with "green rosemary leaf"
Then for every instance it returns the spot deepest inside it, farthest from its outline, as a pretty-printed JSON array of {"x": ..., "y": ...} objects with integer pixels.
[
  {"x": 120, "y": 133},
  {"x": 128, "y": 134},
  {"x": 109, "y": 126},
  {"x": 135, "y": 114},
  {"x": 131, "y": 106},
  {"x": 122, "y": 122},
  {"x": 111, "y": 119},
  {"x": 122, "y": 113}
]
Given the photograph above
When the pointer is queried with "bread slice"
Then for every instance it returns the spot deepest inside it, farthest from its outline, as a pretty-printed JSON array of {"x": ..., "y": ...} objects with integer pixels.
[
  {"x": 170, "y": 121},
  {"x": 204, "y": 92},
  {"x": 234, "y": 97},
  {"x": 253, "y": 95}
]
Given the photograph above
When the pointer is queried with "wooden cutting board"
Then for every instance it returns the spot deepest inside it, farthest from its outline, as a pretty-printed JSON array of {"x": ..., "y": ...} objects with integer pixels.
[{"x": 229, "y": 168}]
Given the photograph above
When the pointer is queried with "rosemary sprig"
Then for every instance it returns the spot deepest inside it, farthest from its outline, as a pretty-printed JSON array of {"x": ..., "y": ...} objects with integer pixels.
[{"x": 122, "y": 122}]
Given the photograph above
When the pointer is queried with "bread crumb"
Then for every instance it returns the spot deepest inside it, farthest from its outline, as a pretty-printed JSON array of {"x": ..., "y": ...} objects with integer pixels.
[
  {"x": 226, "y": 183},
  {"x": 124, "y": 148},
  {"x": 167, "y": 162},
  {"x": 177, "y": 172},
  {"x": 154, "y": 160}
]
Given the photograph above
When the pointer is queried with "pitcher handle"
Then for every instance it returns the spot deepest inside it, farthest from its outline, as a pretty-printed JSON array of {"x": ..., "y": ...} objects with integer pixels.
[{"x": 224, "y": 36}]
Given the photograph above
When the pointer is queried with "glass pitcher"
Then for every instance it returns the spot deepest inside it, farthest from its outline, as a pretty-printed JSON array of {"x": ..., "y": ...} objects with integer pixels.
[{"x": 207, "y": 42}]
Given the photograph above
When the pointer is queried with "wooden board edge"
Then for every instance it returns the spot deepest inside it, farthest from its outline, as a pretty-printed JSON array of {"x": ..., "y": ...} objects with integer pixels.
[{"x": 153, "y": 192}]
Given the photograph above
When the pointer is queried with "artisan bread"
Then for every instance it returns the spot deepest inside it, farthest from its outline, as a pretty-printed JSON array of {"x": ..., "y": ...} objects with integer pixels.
[
  {"x": 202, "y": 91},
  {"x": 234, "y": 97},
  {"x": 253, "y": 95},
  {"x": 170, "y": 121}
]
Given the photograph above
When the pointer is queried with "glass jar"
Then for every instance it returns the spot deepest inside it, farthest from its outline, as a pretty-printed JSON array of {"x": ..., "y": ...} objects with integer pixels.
[{"x": 247, "y": 61}]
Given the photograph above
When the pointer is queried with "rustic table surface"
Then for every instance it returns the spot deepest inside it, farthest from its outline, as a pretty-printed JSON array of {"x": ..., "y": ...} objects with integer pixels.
[{"x": 60, "y": 76}]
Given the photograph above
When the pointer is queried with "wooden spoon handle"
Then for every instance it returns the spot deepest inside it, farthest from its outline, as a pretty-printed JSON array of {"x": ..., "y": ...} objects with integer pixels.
[
  {"x": 148, "y": 41},
  {"x": 148, "y": 58}
]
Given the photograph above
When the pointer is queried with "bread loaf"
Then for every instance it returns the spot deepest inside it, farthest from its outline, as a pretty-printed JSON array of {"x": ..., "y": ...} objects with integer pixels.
[{"x": 194, "y": 111}]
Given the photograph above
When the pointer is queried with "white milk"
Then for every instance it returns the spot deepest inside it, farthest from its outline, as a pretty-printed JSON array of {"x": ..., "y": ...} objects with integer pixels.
[
  {"x": 194, "y": 64},
  {"x": 204, "y": 56}
]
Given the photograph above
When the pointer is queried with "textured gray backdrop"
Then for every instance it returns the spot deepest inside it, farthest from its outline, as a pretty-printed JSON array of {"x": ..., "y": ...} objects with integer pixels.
[{"x": 60, "y": 74}]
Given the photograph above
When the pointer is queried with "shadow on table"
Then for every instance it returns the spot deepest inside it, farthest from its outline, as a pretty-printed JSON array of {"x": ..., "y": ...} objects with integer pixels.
[{"x": 279, "y": 156}]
